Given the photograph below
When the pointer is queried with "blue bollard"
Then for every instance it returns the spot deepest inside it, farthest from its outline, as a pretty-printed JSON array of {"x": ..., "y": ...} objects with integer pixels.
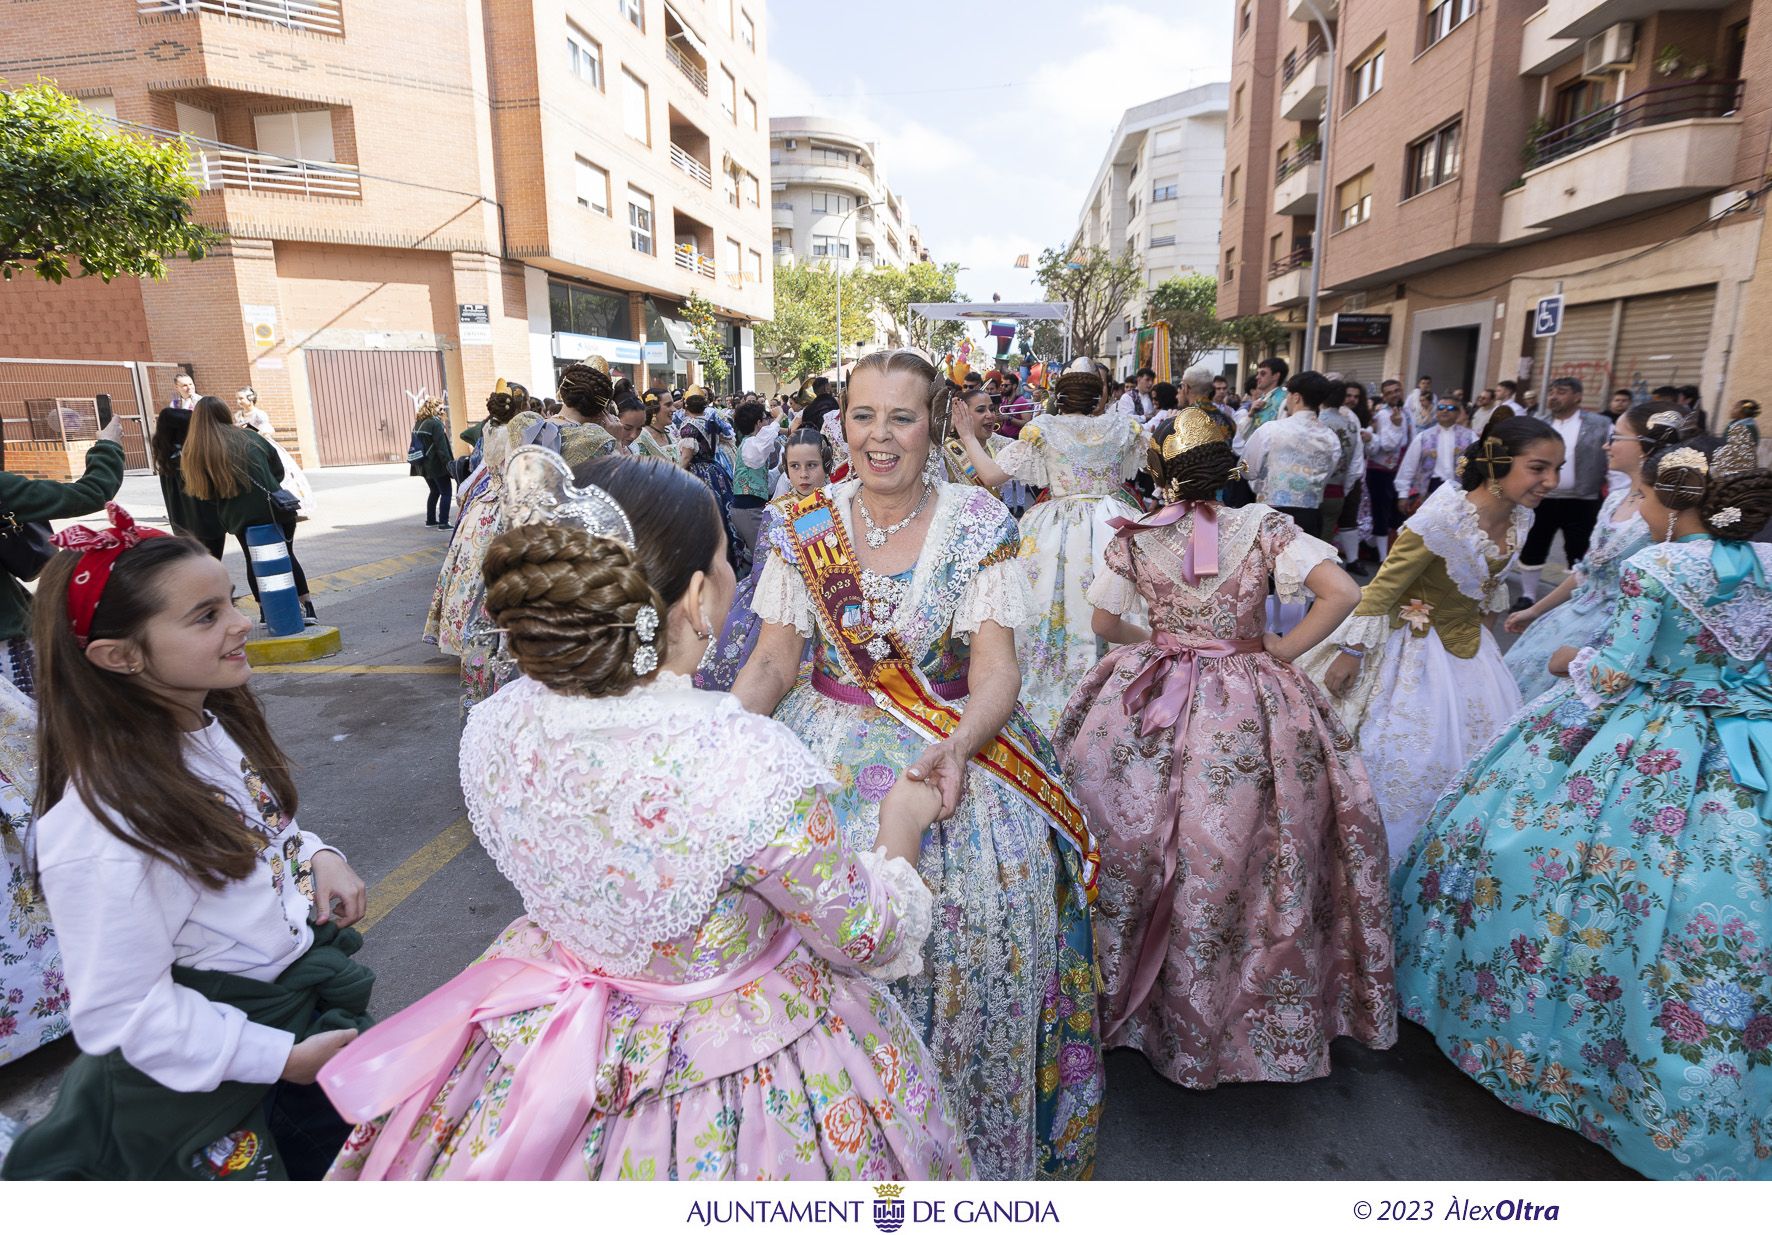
[{"x": 268, "y": 555}]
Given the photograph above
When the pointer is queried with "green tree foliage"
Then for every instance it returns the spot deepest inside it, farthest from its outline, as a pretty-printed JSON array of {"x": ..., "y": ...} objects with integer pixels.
[
  {"x": 1189, "y": 303},
  {"x": 74, "y": 192},
  {"x": 895, "y": 291},
  {"x": 705, "y": 330},
  {"x": 1095, "y": 283},
  {"x": 1256, "y": 336},
  {"x": 806, "y": 313}
]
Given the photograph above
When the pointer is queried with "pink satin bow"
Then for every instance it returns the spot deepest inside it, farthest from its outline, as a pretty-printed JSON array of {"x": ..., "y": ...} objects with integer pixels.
[
  {"x": 1201, "y": 558},
  {"x": 399, "y": 1065},
  {"x": 1160, "y": 696}
]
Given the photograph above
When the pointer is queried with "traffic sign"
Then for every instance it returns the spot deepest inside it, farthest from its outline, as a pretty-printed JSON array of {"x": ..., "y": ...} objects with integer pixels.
[{"x": 1548, "y": 320}]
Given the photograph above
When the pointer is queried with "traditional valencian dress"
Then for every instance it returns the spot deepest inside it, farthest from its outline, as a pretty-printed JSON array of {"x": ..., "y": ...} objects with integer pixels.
[
  {"x": 1007, "y": 996},
  {"x": 738, "y": 637},
  {"x": 1578, "y": 621},
  {"x": 1243, "y": 921},
  {"x": 688, "y": 995},
  {"x": 1082, "y": 462},
  {"x": 1432, "y": 689},
  {"x": 1585, "y": 924},
  {"x": 33, "y": 994}
]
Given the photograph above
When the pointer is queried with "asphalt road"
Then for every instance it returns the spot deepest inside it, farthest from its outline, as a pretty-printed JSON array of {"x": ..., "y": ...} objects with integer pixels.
[{"x": 374, "y": 736}]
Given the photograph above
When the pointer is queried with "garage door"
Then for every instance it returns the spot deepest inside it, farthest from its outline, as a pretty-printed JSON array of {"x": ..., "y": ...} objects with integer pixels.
[
  {"x": 1584, "y": 349},
  {"x": 364, "y": 402},
  {"x": 1662, "y": 339},
  {"x": 1356, "y": 364}
]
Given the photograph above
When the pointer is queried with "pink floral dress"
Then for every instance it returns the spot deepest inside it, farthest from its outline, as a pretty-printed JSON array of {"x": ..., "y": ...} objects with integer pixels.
[
  {"x": 646, "y": 866},
  {"x": 1243, "y": 920}
]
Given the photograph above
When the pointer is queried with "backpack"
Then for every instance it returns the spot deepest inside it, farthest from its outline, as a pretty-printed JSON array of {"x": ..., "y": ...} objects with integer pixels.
[{"x": 416, "y": 449}]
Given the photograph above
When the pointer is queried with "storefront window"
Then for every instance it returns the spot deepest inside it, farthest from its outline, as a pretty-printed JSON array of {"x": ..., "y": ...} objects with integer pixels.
[{"x": 581, "y": 310}]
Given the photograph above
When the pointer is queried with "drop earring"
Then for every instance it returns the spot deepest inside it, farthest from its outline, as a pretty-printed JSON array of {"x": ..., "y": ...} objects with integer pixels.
[
  {"x": 707, "y": 653},
  {"x": 1673, "y": 517}
]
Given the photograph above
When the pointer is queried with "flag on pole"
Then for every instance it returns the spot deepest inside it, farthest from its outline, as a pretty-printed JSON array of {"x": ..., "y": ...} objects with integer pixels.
[{"x": 1021, "y": 263}]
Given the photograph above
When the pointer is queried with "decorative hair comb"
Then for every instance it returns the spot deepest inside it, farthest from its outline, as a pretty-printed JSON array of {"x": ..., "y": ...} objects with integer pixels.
[
  {"x": 1685, "y": 459},
  {"x": 1667, "y": 420},
  {"x": 1193, "y": 429},
  {"x": 1738, "y": 455}
]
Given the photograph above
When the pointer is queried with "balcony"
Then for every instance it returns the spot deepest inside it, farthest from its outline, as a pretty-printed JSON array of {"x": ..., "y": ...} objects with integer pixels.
[
  {"x": 1306, "y": 84},
  {"x": 314, "y": 16},
  {"x": 697, "y": 75},
  {"x": 782, "y": 213},
  {"x": 1540, "y": 49},
  {"x": 1298, "y": 181},
  {"x": 1580, "y": 19},
  {"x": 700, "y": 263},
  {"x": 691, "y": 166},
  {"x": 225, "y": 167},
  {"x": 825, "y": 176},
  {"x": 1298, "y": 10},
  {"x": 1289, "y": 280},
  {"x": 1655, "y": 147}
]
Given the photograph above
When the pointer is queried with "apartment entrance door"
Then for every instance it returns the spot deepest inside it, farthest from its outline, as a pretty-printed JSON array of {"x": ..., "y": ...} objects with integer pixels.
[{"x": 1449, "y": 356}]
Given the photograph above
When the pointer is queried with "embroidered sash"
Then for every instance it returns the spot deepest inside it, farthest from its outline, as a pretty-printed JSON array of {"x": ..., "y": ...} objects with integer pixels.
[{"x": 877, "y": 658}]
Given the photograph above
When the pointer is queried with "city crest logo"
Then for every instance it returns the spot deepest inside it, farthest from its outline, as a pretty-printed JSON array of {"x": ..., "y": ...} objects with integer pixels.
[{"x": 888, "y": 1207}]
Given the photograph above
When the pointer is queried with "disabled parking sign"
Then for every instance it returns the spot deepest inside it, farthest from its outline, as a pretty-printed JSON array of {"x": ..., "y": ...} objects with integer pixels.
[{"x": 1548, "y": 319}]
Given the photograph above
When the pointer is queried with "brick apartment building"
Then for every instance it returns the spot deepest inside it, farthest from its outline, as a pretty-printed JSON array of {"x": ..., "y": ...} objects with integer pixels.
[
  {"x": 1480, "y": 152},
  {"x": 416, "y": 196}
]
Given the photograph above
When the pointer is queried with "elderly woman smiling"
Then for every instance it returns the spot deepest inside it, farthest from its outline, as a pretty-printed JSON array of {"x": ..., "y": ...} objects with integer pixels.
[{"x": 911, "y": 590}]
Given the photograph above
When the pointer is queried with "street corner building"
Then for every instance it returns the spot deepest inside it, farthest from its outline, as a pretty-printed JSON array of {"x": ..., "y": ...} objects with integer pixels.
[
  {"x": 414, "y": 199},
  {"x": 1444, "y": 164}
]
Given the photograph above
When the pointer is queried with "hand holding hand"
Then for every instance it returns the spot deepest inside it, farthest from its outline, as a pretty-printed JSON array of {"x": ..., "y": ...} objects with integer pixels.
[
  {"x": 910, "y": 807},
  {"x": 943, "y": 768},
  {"x": 308, "y": 1056},
  {"x": 1518, "y": 622},
  {"x": 339, "y": 895}
]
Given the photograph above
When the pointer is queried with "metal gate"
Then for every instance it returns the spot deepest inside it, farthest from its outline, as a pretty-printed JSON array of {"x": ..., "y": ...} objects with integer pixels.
[
  {"x": 45, "y": 401},
  {"x": 1356, "y": 364},
  {"x": 365, "y": 401},
  {"x": 1662, "y": 339}
]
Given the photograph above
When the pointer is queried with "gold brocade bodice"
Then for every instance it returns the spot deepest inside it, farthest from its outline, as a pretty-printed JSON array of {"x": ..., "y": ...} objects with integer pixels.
[{"x": 1414, "y": 583}]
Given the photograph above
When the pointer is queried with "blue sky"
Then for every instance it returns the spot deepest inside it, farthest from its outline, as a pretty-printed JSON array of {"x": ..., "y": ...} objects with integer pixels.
[{"x": 992, "y": 118}]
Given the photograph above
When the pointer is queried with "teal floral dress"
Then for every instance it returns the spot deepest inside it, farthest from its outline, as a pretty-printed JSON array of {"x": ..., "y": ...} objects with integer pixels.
[
  {"x": 1584, "y": 921},
  {"x": 1007, "y": 996}
]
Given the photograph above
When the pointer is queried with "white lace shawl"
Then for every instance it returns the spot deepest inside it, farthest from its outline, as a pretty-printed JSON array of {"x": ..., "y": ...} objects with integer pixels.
[
  {"x": 614, "y": 818},
  {"x": 1067, "y": 437},
  {"x": 947, "y": 588},
  {"x": 1447, "y": 524},
  {"x": 1743, "y": 623}
]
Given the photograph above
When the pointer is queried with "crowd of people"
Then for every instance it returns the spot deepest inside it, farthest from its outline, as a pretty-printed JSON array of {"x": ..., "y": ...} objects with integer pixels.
[{"x": 1051, "y": 717}]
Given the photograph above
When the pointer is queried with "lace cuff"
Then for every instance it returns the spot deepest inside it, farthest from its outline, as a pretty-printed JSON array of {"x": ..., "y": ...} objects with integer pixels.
[
  {"x": 912, "y": 906},
  {"x": 1363, "y": 632},
  {"x": 1297, "y": 560},
  {"x": 781, "y": 596},
  {"x": 1114, "y": 593},
  {"x": 1021, "y": 459},
  {"x": 999, "y": 593},
  {"x": 1581, "y": 678}
]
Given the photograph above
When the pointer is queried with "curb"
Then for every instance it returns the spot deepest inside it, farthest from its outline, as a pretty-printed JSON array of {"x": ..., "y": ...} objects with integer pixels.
[{"x": 314, "y": 643}]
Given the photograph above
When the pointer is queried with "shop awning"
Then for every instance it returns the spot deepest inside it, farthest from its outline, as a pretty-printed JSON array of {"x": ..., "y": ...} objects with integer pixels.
[{"x": 681, "y": 339}]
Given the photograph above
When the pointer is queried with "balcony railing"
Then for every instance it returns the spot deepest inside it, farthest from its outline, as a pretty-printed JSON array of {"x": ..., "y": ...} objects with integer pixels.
[
  {"x": 697, "y": 77},
  {"x": 1298, "y": 259},
  {"x": 1700, "y": 100},
  {"x": 691, "y": 166},
  {"x": 319, "y": 16},
  {"x": 255, "y": 170},
  {"x": 1299, "y": 161},
  {"x": 700, "y": 263},
  {"x": 1295, "y": 61}
]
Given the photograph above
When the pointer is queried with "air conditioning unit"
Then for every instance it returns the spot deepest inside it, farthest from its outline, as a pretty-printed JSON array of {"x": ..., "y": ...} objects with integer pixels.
[{"x": 1611, "y": 50}]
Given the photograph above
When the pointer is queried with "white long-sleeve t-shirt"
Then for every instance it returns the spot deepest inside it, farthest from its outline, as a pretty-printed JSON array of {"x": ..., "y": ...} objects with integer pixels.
[{"x": 124, "y": 919}]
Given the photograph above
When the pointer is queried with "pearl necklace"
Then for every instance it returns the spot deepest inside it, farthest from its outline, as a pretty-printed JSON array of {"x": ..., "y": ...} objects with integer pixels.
[{"x": 877, "y": 535}]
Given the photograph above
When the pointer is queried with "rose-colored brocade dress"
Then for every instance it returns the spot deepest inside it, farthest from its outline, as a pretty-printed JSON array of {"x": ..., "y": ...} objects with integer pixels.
[
  {"x": 697, "y": 988},
  {"x": 1243, "y": 920}
]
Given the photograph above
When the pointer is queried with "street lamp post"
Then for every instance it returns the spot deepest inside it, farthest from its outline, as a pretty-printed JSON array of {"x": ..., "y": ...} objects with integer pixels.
[
  {"x": 1321, "y": 235},
  {"x": 837, "y": 265}
]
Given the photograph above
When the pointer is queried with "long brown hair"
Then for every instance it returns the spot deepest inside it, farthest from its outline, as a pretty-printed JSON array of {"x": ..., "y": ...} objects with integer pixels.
[
  {"x": 215, "y": 458},
  {"x": 108, "y": 738}
]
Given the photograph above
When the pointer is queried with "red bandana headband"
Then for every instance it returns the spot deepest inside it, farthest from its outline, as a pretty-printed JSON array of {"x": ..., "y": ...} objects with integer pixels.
[{"x": 98, "y": 552}]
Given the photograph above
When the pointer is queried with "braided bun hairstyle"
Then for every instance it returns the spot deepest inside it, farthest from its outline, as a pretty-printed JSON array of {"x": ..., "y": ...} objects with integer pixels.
[
  {"x": 1669, "y": 430},
  {"x": 1510, "y": 435},
  {"x": 1749, "y": 496},
  {"x": 695, "y": 405},
  {"x": 1745, "y": 496},
  {"x": 1194, "y": 475},
  {"x": 1680, "y": 483},
  {"x": 1079, "y": 394},
  {"x": 568, "y": 600},
  {"x": 586, "y": 391}
]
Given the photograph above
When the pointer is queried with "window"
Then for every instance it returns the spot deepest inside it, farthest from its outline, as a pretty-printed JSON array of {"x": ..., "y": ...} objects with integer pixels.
[
  {"x": 1230, "y": 261},
  {"x": 1166, "y": 141},
  {"x": 1445, "y": 16},
  {"x": 830, "y": 156},
  {"x": 591, "y": 185},
  {"x": 579, "y": 310},
  {"x": 1244, "y": 27},
  {"x": 830, "y": 248},
  {"x": 640, "y": 220},
  {"x": 636, "y": 112},
  {"x": 750, "y": 111},
  {"x": 832, "y": 203},
  {"x": 1353, "y": 199},
  {"x": 747, "y": 30},
  {"x": 101, "y": 104},
  {"x": 634, "y": 11},
  {"x": 1366, "y": 77},
  {"x": 753, "y": 190},
  {"x": 1237, "y": 106},
  {"x": 1165, "y": 190},
  {"x": 1274, "y": 250},
  {"x": 1433, "y": 160},
  {"x": 734, "y": 257},
  {"x": 303, "y": 135},
  {"x": 1576, "y": 101},
  {"x": 1236, "y": 182},
  {"x": 1162, "y": 242},
  {"x": 729, "y": 94},
  {"x": 585, "y": 56},
  {"x": 756, "y": 269}
]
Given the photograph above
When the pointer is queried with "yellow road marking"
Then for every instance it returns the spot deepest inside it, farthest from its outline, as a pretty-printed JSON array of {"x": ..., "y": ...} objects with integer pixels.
[
  {"x": 406, "y": 878},
  {"x": 437, "y": 669}
]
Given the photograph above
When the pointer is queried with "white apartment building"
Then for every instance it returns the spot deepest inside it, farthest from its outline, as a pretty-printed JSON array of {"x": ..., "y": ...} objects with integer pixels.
[
  {"x": 1158, "y": 193},
  {"x": 823, "y": 178}
]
